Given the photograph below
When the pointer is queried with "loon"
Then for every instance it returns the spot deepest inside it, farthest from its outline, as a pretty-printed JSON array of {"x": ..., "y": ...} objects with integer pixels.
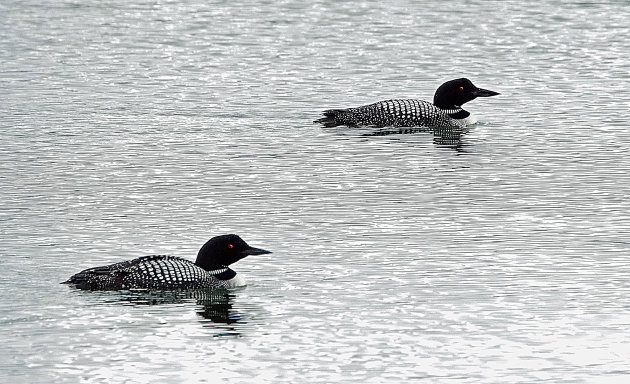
[
  {"x": 446, "y": 109},
  {"x": 210, "y": 270}
]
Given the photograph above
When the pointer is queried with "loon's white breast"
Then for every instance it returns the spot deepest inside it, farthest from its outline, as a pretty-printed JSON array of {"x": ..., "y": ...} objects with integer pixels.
[
  {"x": 235, "y": 282},
  {"x": 471, "y": 119}
]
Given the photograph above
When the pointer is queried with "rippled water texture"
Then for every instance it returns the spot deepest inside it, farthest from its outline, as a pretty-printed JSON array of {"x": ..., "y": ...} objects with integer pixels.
[{"x": 495, "y": 255}]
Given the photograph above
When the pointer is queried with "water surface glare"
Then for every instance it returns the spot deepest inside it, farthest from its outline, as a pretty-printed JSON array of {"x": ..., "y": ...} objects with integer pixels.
[{"x": 499, "y": 254}]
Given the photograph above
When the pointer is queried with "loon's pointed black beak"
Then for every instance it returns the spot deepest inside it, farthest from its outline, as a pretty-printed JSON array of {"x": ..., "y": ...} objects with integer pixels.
[
  {"x": 253, "y": 251},
  {"x": 480, "y": 92}
]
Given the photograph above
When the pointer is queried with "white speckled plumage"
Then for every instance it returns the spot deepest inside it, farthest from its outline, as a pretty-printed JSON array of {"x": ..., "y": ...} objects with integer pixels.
[
  {"x": 397, "y": 113},
  {"x": 150, "y": 272}
]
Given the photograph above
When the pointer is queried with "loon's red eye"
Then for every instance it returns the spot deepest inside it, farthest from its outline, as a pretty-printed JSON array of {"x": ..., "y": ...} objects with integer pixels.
[
  {"x": 230, "y": 246},
  {"x": 461, "y": 88}
]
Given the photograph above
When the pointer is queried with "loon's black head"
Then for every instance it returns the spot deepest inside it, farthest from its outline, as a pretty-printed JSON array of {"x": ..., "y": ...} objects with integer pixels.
[
  {"x": 455, "y": 93},
  {"x": 221, "y": 251}
]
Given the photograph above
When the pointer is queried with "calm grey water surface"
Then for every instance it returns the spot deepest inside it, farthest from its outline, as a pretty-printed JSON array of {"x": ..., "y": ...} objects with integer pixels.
[{"x": 147, "y": 126}]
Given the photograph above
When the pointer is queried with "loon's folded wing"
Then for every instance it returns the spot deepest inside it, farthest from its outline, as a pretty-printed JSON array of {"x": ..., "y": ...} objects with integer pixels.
[
  {"x": 109, "y": 275},
  {"x": 396, "y": 113}
]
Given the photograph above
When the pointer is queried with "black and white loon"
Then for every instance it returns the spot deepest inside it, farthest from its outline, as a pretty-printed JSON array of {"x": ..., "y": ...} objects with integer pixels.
[
  {"x": 446, "y": 109},
  {"x": 210, "y": 270}
]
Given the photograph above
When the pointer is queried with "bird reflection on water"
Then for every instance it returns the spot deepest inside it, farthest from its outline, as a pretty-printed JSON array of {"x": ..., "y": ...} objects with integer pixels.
[
  {"x": 214, "y": 306},
  {"x": 449, "y": 137}
]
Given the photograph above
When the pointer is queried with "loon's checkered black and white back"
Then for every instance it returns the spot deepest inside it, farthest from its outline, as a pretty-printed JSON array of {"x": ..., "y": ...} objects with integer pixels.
[
  {"x": 394, "y": 113},
  {"x": 151, "y": 272},
  {"x": 445, "y": 111}
]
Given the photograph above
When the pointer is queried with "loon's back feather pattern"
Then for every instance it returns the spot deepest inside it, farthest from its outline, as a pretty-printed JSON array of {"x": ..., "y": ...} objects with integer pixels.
[
  {"x": 395, "y": 112},
  {"x": 150, "y": 272}
]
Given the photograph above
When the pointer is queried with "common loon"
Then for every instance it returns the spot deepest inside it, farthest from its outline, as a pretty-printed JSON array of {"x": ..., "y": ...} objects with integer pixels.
[
  {"x": 210, "y": 270},
  {"x": 446, "y": 109}
]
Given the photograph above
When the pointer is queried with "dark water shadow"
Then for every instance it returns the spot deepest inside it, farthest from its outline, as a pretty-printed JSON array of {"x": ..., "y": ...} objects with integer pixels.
[
  {"x": 444, "y": 137},
  {"x": 214, "y": 306},
  {"x": 447, "y": 137}
]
